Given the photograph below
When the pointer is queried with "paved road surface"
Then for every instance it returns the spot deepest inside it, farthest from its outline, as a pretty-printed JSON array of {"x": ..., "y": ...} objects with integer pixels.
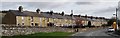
[{"x": 100, "y": 33}]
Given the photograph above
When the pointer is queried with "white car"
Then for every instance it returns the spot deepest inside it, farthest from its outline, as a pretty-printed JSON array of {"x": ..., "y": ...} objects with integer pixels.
[{"x": 111, "y": 29}]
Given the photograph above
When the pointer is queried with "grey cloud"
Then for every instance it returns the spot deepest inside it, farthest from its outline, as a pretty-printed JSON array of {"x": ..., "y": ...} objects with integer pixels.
[
  {"x": 109, "y": 9},
  {"x": 104, "y": 12},
  {"x": 83, "y": 3},
  {"x": 42, "y": 5}
]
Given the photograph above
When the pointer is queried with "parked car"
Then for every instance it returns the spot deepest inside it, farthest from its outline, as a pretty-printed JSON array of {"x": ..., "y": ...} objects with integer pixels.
[{"x": 110, "y": 29}]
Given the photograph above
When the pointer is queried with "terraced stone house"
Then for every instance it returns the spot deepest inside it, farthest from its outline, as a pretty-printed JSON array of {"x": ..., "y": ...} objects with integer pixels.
[
  {"x": 42, "y": 19},
  {"x": 38, "y": 18}
]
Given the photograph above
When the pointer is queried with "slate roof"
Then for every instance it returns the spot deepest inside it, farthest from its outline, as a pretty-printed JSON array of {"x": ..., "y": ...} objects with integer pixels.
[
  {"x": 3, "y": 11},
  {"x": 42, "y": 14},
  {"x": 55, "y": 15},
  {"x": 24, "y": 13},
  {"x": 48, "y": 15}
]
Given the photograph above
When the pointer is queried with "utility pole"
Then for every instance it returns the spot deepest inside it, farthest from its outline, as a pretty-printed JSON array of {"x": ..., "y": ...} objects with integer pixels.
[
  {"x": 73, "y": 20},
  {"x": 116, "y": 24},
  {"x": 116, "y": 18}
]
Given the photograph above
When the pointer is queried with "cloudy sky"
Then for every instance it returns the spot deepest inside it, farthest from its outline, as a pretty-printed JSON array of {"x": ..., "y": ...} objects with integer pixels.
[{"x": 100, "y": 8}]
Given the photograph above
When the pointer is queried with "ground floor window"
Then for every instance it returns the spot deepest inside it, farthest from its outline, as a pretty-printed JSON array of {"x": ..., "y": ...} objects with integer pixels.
[
  {"x": 36, "y": 24},
  {"x": 32, "y": 24},
  {"x": 22, "y": 23},
  {"x": 18, "y": 24}
]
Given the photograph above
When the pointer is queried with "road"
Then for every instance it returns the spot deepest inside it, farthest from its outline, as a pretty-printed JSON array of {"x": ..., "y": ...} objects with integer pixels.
[{"x": 101, "y": 33}]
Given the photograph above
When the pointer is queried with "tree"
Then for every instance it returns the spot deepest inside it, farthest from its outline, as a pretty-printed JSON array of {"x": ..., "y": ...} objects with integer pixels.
[
  {"x": 96, "y": 17},
  {"x": 91, "y": 17},
  {"x": 110, "y": 22},
  {"x": 79, "y": 15}
]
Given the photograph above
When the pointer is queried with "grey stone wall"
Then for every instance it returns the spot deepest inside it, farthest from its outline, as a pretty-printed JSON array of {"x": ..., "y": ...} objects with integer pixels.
[
  {"x": 23, "y": 30},
  {"x": 0, "y": 30}
]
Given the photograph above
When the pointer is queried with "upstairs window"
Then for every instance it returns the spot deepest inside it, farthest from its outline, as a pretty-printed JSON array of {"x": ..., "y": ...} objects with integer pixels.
[
  {"x": 22, "y": 18},
  {"x": 31, "y": 18},
  {"x": 36, "y": 24}
]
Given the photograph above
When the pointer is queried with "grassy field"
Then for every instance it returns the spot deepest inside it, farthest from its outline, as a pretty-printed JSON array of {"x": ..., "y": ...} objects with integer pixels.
[{"x": 42, "y": 35}]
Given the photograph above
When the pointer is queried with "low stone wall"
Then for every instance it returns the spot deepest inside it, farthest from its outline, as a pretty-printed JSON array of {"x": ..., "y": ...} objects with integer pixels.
[{"x": 22, "y": 30}]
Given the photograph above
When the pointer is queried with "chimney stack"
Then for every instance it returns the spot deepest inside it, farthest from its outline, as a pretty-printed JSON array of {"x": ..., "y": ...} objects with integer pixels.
[
  {"x": 38, "y": 11},
  {"x": 86, "y": 16},
  {"x": 20, "y": 8},
  {"x": 79, "y": 15},
  {"x": 91, "y": 17},
  {"x": 71, "y": 14},
  {"x": 51, "y": 12}
]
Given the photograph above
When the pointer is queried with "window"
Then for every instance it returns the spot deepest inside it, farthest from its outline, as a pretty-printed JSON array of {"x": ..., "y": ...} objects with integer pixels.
[
  {"x": 47, "y": 19},
  {"x": 18, "y": 24},
  {"x": 32, "y": 24},
  {"x": 22, "y": 23},
  {"x": 36, "y": 24},
  {"x": 22, "y": 19},
  {"x": 32, "y": 18}
]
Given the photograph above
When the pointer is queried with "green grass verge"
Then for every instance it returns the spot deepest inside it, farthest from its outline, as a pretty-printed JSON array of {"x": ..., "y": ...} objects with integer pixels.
[{"x": 42, "y": 35}]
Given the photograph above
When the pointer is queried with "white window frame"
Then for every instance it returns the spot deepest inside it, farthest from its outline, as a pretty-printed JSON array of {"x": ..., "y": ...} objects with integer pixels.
[
  {"x": 22, "y": 19},
  {"x": 40, "y": 21}
]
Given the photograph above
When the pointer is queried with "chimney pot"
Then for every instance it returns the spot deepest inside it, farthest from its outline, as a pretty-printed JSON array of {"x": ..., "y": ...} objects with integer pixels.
[
  {"x": 38, "y": 11},
  {"x": 20, "y": 8}
]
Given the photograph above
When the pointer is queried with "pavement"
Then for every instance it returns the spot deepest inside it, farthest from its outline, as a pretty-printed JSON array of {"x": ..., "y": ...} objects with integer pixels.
[
  {"x": 0, "y": 30},
  {"x": 98, "y": 33}
]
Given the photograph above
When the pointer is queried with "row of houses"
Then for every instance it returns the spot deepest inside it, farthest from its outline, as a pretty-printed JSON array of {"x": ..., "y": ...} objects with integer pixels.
[{"x": 39, "y": 18}]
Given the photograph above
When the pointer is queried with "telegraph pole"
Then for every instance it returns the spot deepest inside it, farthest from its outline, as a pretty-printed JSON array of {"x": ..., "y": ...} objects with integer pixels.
[
  {"x": 72, "y": 19},
  {"x": 116, "y": 24},
  {"x": 116, "y": 18}
]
